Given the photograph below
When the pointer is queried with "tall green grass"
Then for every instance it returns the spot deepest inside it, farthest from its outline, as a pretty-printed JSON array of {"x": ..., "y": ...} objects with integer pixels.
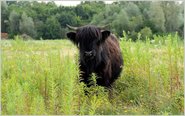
[{"x": 42, "y": 77}]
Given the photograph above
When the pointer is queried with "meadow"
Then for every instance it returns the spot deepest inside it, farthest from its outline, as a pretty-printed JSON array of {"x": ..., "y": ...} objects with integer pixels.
[{"x": 42, "y": 77}]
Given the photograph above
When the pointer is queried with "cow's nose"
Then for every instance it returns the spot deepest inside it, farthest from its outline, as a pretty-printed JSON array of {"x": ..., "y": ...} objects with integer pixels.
[{"x": 88, "y": 54}]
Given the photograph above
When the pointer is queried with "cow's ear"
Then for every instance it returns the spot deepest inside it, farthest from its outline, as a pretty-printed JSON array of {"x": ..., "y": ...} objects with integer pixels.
[
  {"x": 105, "y": 34},
  {"x": 72, "y": 37}
]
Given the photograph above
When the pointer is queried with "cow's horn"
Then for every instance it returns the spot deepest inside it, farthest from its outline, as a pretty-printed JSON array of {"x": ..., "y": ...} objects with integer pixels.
[{"x": 72, "y": 28}]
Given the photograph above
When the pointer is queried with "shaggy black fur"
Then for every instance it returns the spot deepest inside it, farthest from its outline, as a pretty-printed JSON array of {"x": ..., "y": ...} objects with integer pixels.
[{"x": 99, "y": 53}]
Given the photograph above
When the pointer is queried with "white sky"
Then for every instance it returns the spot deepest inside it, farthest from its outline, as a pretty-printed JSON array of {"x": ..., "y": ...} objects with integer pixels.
[{"x": 73, "y": 2}]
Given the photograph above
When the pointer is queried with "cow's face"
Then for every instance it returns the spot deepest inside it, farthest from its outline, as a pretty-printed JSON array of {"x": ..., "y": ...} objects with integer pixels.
[{"x": 88, "y": 39}]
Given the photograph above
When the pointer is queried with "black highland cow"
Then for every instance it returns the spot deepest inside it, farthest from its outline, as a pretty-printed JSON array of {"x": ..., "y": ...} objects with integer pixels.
[{"x": 99, "y": 53}]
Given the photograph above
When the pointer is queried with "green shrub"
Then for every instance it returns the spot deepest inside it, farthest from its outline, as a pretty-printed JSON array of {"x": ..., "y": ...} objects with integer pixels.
[{"x": 146, "y": 32}]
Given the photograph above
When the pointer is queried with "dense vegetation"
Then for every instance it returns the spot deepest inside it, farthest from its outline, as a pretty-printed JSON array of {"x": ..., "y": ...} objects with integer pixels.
[
  {"x": 48, "y": 21},
  {"x": 41, "y": 77}
]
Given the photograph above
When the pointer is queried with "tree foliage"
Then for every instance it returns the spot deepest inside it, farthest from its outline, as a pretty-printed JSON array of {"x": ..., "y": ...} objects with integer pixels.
[
  {"x": 14, "y": 23},
  {"x": 4, "y": 17},
  {"x": 27, "y": 25},
  {"x": 52, "y": 28},
  {"x": 173, "y": 14},
  {"x": 156, "y": 17},
  {"x": 121, "y": 22},
  {"x": 48, "y": 21}
]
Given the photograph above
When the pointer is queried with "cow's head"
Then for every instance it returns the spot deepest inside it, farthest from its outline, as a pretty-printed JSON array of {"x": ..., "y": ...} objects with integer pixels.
[{"x": 88, "y": 39}]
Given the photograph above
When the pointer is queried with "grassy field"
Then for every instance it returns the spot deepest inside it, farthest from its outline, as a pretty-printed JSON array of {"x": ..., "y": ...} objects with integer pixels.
[{"x": 41, "y": 77}]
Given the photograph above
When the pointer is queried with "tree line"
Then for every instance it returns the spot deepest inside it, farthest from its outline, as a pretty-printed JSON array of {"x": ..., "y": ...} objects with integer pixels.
[{"x": 41, "y": 20}]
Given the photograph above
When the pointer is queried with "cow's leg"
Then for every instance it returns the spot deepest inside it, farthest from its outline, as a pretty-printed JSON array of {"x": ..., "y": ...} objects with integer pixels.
[
  {"x": 84, "y": 78},
  {"x": 107, "y": 75},
  {"x": 108, "y": 79}
]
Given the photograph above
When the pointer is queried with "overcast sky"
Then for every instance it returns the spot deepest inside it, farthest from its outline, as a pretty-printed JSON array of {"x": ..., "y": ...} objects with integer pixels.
[{"x": 74, "y": 3}]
